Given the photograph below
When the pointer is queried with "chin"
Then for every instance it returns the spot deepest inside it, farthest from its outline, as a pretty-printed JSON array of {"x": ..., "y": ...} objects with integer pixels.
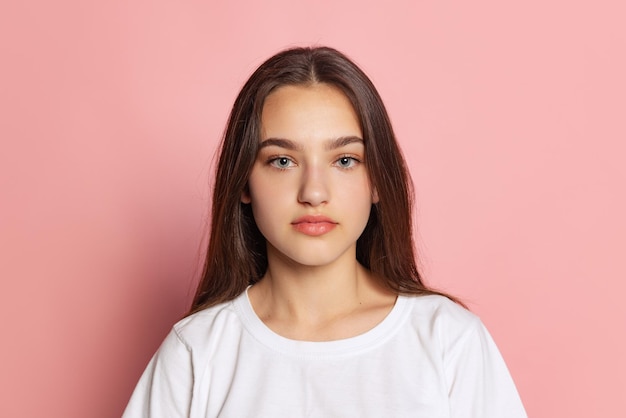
[{"x": 312, "y": 257}]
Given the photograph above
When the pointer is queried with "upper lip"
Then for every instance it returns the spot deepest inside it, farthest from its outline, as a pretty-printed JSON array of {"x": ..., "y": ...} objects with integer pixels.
[{"x": 313, "y": 219}]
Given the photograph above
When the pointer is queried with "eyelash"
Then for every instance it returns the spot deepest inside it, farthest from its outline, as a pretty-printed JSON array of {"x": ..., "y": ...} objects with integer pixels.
[
  {"x": 273, "y": 161},
  {"x": 355, "y": 161}
]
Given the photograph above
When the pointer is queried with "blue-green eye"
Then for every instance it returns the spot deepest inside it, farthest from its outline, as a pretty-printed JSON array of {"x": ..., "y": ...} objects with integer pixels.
[
  {"x": 346, "y": 162},
  {"x": 281, "y": 162}
]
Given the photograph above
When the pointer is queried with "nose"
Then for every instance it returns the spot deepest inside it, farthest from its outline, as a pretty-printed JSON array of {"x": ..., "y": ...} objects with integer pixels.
[{"x": 313, "y": 187}]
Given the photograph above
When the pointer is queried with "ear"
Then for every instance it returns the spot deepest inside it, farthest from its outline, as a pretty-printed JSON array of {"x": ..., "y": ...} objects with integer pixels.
[
  {"x": 245, "y": 196},
  {"x": 375, "y": 198}
]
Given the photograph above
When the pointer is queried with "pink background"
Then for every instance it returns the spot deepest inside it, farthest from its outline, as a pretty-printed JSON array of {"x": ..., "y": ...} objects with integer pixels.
[{"x": 512, "y": 116}]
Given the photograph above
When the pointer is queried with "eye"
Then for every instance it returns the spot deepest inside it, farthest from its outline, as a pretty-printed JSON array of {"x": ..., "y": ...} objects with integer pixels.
[
  {"x": 281, "y": 162},
  {"x": 347, "y": 162}
]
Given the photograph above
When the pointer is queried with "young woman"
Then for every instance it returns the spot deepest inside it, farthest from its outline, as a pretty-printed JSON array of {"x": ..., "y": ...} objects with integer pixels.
[{"x": 311, "y": 304}]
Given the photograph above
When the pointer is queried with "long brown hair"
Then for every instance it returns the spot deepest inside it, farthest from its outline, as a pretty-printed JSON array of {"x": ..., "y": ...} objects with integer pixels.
[{"x": 236, "y": 255}]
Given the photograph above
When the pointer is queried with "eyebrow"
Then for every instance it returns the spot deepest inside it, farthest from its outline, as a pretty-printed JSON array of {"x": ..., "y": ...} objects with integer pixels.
[{"x": 293, "y": 146}]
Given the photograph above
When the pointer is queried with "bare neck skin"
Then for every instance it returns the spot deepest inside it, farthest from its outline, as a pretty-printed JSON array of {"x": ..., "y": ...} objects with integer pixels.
[{"x": 321, "y": 303}]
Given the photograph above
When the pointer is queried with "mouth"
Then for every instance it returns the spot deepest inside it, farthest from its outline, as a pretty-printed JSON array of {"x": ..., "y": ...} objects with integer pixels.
[{"x": 314, "y": 225}]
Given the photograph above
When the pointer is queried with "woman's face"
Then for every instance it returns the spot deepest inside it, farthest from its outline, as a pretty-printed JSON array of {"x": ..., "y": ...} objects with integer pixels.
[{"x": 309, "y": 188}]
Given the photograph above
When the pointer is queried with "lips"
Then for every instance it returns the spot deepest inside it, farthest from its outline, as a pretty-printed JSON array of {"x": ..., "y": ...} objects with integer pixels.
[{"x": 314, "y": 225}]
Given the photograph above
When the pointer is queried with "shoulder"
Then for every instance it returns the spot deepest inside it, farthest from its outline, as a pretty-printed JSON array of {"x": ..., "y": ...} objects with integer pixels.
[
  {"x": 441, "y": 320},
  {"x": 167, "y": 386},
  {"x": 476, "y": 375},
  {"x": 208, "y": 324},
  {"x": 437, "y": 309}
]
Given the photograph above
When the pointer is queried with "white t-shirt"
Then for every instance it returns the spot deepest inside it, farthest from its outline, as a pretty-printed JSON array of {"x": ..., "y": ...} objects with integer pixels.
[{"x": 428, "y": 358}]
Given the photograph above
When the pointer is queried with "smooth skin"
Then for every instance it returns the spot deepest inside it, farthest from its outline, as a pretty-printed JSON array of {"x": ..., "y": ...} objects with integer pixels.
[{"x": 311, "y": 199}]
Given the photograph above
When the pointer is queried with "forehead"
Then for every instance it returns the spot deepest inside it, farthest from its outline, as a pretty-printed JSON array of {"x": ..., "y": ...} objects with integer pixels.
[{"x": 308, "y": 111}]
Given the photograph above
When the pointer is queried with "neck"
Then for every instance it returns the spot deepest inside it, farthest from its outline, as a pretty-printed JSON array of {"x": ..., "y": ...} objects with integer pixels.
[
  {"x": 310, "y": 293},
  {"x": 321, "y": 302}
]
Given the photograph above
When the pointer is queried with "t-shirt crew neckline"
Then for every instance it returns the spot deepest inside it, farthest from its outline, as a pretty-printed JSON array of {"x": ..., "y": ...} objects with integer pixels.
[{"x": 362, "y": 342}]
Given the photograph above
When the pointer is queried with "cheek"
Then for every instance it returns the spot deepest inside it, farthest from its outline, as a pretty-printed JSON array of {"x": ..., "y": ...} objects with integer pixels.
[
  {"x": 267, "y": 197},
  {"x": 358, "y": 192},
  {"x": 261, "y": 189}
]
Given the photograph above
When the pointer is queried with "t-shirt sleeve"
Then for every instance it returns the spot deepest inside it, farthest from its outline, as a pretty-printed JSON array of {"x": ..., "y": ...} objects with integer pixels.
[
  {"x": 165, "y": 388},
  {"x": 479, "y": 382}
]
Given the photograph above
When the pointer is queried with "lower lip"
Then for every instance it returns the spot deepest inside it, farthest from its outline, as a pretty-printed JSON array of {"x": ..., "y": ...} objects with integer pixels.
[{"x": 314, "y": 229}]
